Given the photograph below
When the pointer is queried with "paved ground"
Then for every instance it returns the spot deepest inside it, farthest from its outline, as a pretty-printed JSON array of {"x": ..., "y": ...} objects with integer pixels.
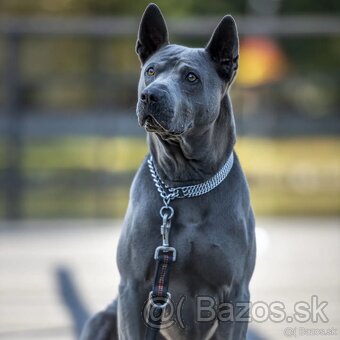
[{"x": 53, "y": 274}]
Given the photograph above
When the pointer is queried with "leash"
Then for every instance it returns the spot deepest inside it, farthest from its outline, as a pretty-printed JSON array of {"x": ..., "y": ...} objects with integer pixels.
[{"x": 165, "y": 255}]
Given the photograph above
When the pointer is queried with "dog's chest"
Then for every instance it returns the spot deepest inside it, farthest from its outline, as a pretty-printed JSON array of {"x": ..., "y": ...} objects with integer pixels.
[
  {"x": 202, "y": 255},
  {"x": 205, "y": 230},
  {"x": 202, "y": 250}
]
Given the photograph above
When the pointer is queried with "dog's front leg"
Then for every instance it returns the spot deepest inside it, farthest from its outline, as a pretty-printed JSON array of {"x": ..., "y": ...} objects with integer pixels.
[
  {"x": 236, "y": 329},
  {"x": 131, "y": 301}
]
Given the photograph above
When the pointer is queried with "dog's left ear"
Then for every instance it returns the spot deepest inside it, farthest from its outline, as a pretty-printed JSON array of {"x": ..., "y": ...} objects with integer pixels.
[
  {"x": 223, "y": 48},
  {"x": 152, "y": 34}
]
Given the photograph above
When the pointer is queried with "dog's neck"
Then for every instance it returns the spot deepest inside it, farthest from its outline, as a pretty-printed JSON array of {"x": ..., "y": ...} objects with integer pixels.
[{"x": 196, "y": 156}]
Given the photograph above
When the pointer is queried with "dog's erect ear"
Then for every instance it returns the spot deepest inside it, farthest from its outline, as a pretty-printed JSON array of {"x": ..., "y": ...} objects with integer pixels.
[
  {"x": 223, "y": 48},
  {"x": 152, "y": 33}
]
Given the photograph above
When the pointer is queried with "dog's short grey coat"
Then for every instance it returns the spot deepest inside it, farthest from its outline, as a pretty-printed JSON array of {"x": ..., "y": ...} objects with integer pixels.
[{"x": 185, "y": 107}]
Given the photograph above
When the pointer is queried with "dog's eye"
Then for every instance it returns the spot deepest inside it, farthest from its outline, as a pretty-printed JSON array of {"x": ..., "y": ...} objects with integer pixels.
[
  {"x": 150, "y": 72},
  {"x": 191, "y": 77}
]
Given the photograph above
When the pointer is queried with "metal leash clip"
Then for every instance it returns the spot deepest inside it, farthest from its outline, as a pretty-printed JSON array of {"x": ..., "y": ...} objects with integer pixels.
[
  {"x": 165, "y": 230},
  {"x": 166, "y": 213},
  {"x": 165, "y": 250}
]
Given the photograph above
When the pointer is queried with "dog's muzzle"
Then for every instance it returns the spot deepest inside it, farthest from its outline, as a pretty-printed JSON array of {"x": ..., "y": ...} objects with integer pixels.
[
  {"x": 151, "y": 105},
  {"x": 155, "y": 112}
]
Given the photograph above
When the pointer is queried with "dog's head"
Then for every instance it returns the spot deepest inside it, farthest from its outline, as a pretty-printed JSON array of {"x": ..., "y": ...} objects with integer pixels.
[{"x": 181, "y": 88}]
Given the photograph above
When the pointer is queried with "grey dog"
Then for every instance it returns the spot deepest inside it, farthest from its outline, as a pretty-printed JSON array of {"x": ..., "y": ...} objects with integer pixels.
[{"x": 184, "y": 105}]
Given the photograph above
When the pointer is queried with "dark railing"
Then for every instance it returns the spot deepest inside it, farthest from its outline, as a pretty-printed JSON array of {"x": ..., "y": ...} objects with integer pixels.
[{"x": 190, "y": 27}]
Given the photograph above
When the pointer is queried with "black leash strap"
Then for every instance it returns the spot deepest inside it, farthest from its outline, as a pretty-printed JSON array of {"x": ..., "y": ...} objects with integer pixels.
[{"x": 159, "y": 296}]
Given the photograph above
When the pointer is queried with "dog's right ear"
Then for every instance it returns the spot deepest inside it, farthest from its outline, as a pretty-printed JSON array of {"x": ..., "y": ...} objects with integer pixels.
[
  {"x": 223, "y": 48},
  {"x": 152, "y": 34}
]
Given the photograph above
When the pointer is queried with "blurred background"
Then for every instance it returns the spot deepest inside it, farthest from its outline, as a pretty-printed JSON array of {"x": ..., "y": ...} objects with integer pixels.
[{"x": 70, "y": 145}]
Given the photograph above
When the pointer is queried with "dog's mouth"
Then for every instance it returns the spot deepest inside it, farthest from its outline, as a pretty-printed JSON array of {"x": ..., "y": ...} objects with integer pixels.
[{"x": 152, "y": 125}]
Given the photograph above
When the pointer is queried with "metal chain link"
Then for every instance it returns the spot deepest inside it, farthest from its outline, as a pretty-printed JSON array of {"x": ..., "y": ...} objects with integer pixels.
[{"x": 168, "y": 194}]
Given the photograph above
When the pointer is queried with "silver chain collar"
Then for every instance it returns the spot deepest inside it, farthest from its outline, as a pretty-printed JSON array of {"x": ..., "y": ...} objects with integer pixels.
[{"x": 168, "y": 194}]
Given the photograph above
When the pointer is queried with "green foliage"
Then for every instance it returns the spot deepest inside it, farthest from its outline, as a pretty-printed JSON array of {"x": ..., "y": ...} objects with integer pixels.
[
  {"x": 119, "y": 7},
  {"x": 170, "y": 7}
]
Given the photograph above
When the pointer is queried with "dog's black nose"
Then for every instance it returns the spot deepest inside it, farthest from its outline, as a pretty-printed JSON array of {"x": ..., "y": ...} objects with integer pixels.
[{"x": 150, "y": 96}]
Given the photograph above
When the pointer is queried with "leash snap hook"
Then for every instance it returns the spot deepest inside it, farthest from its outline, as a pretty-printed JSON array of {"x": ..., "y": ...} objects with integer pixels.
[
  {"x": 166, "y": 214},
  {"x": 165, "y": 231}
]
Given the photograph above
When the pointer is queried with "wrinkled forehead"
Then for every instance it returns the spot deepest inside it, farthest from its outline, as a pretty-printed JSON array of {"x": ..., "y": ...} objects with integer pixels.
[{"x": 171, "y": 56}]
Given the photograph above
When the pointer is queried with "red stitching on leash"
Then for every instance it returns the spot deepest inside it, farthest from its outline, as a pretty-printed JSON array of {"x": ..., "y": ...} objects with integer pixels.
[{"x": 164, "y": 267}]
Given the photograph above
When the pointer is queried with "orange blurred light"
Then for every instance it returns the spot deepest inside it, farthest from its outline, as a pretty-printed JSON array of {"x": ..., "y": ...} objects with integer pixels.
[{"x": 261, "y": 61}]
